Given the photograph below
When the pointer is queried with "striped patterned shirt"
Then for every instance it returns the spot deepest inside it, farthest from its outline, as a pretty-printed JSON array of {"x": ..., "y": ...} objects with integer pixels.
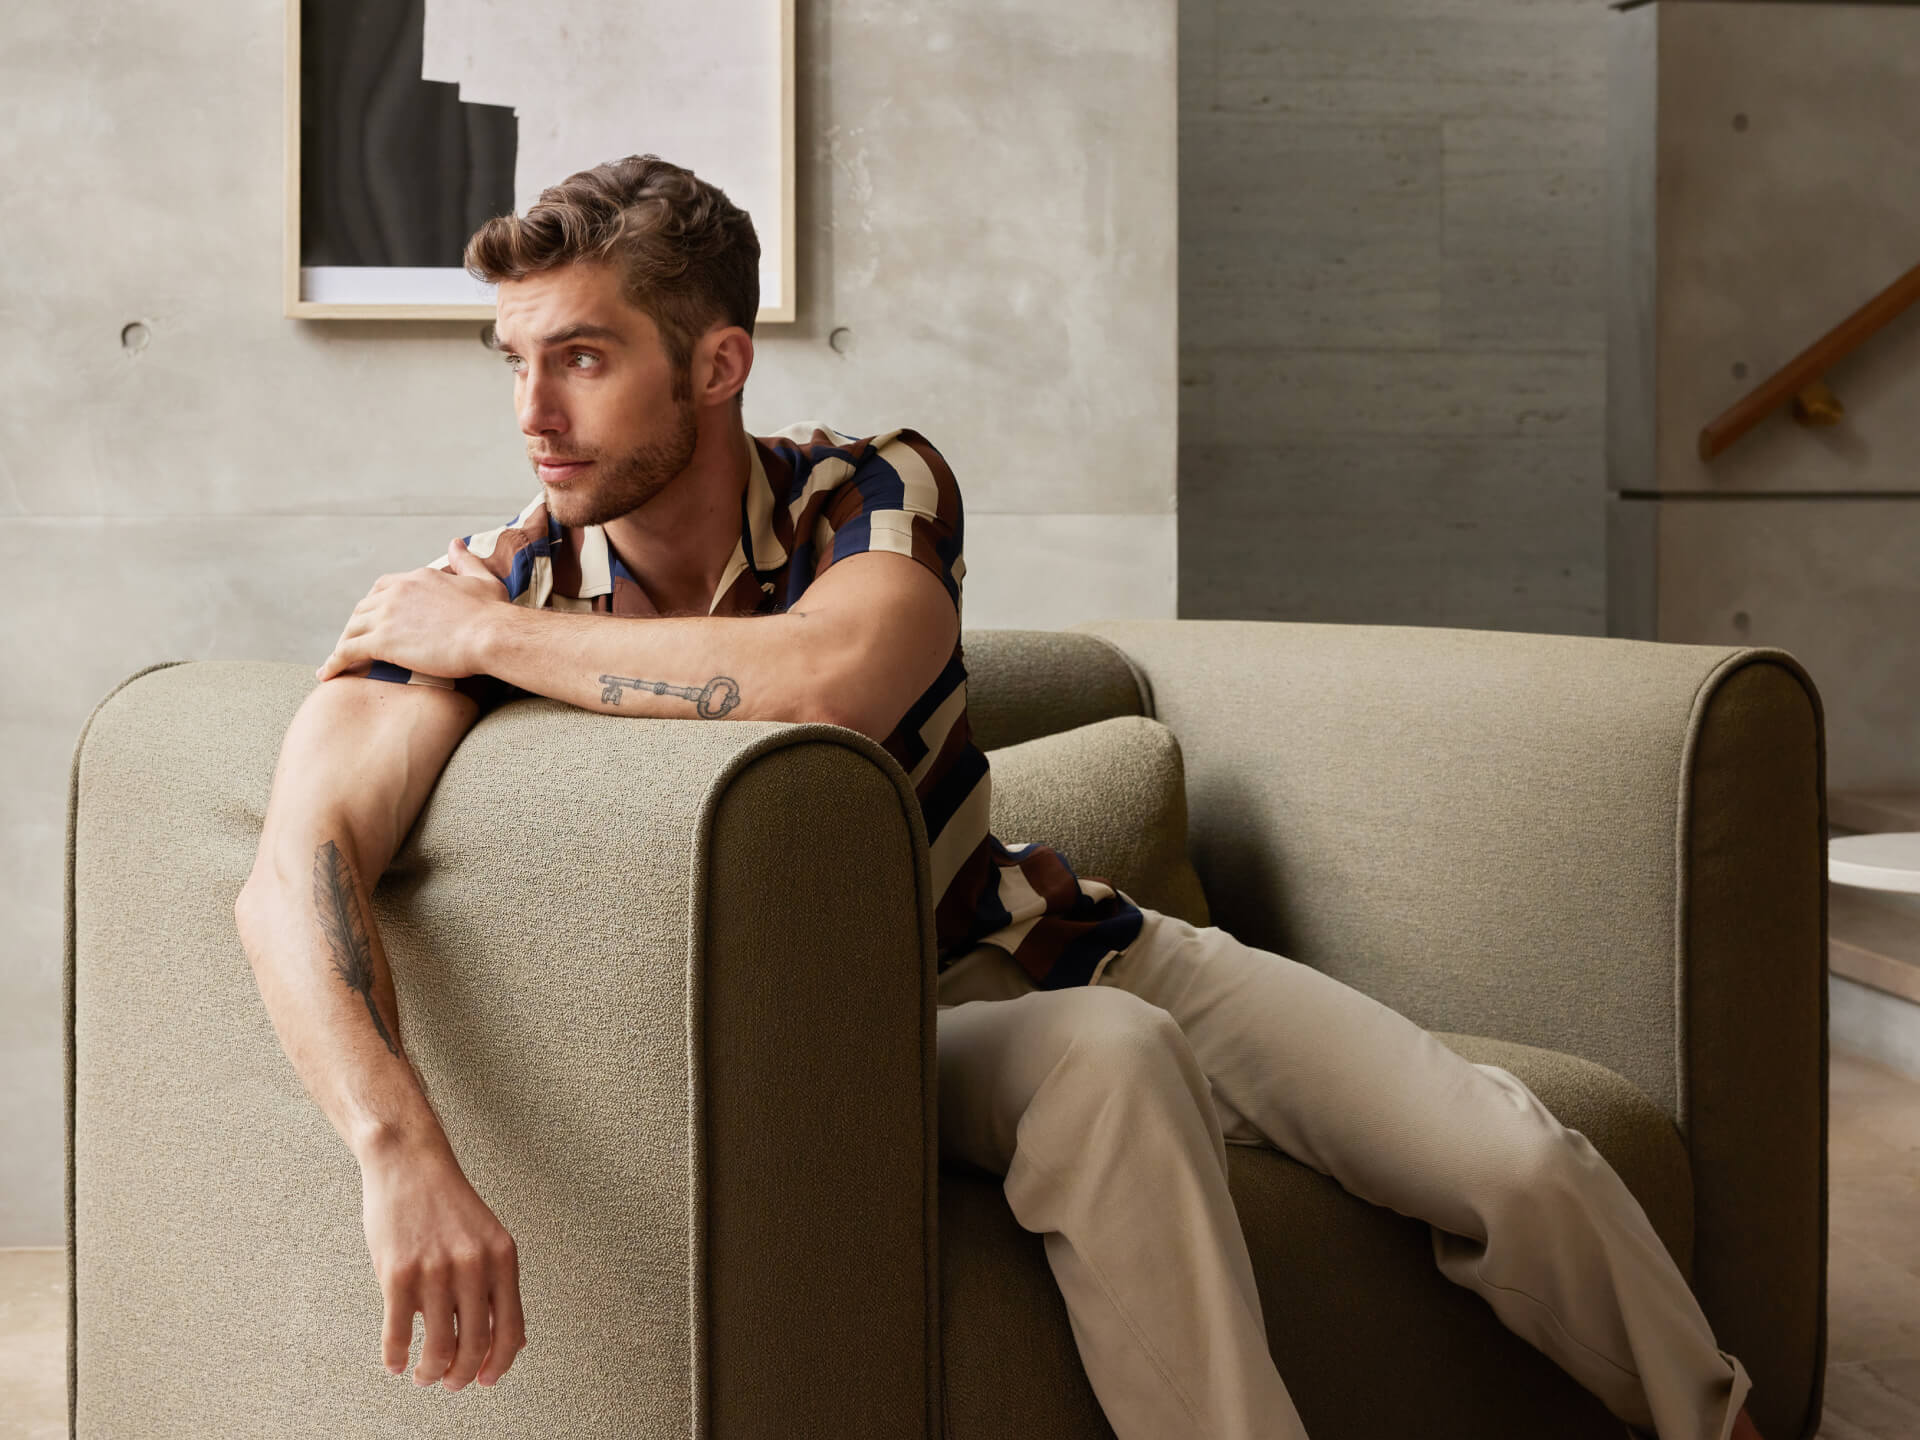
[{"x": 814, "y": 497}]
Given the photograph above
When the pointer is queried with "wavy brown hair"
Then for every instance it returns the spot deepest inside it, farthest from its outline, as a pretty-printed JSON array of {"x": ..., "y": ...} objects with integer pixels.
[{"x": 689, "y": 256}]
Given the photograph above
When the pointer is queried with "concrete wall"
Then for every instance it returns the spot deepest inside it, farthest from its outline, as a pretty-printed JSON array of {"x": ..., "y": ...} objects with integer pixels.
[
  {"x": 987, "y": 206},
  {"x": 1392, "y": 311},
  {"x": 1751, "y": 148}
]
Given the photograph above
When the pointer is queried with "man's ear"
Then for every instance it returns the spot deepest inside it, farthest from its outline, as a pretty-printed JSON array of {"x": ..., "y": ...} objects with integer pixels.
[{"x": 721, "y": 361}]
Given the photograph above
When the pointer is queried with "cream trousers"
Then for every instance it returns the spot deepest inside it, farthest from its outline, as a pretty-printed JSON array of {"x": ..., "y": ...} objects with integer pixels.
[{"x": 1108, "y": 1108}]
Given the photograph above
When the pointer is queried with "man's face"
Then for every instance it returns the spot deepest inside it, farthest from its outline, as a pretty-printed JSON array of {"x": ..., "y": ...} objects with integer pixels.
[{"x": 593, "y": 388}]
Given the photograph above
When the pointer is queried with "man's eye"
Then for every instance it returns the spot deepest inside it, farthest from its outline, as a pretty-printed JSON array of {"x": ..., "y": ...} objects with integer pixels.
[{"x": 513, "y": 362}]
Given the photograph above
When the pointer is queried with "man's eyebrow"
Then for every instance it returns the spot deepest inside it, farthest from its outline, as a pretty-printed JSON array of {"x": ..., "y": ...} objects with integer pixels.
[{"x": 560, "y": 337}]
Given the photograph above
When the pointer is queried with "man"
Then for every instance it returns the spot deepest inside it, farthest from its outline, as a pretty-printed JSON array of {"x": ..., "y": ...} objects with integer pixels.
[{"x": 1096, "y": 1054}]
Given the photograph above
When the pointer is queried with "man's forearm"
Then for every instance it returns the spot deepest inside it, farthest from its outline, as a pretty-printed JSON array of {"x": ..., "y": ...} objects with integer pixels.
[
  {"x": 742, "y": 667},
  {"x": 323, "y": 976},
  {"x": 355, "y": 768}
]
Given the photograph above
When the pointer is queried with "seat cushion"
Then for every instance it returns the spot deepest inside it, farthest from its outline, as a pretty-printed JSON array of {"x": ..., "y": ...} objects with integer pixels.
[
  {"x": 1370, "y": 1337},
  {"x": 1111, "y": 797}
]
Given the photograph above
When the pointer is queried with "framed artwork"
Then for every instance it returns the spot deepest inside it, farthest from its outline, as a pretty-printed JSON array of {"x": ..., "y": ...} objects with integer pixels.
[{"x": 410, "y": 123}]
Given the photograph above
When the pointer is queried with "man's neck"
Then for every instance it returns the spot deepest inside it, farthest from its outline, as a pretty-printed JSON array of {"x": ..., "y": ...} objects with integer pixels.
[{"x": 679, "y": 542}]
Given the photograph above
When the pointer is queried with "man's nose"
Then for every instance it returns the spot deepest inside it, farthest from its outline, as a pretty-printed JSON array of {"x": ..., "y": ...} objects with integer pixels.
[{"x": 540, "y": 411}]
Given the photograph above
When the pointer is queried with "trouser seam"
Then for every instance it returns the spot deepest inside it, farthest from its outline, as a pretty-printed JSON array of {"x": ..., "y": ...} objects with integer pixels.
[{"x": 1561, "y": 1326}]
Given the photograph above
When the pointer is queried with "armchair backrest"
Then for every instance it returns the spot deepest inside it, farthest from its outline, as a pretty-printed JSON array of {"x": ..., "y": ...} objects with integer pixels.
[
  {"x": 1615, "y": 848},
  {"x": 1022, "y": 684}
]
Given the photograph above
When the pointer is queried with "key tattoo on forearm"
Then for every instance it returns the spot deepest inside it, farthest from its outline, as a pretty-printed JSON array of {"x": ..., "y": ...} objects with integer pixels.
[
  {"x": 719, "y": 696},
  {"x": 338, "y": 906}
]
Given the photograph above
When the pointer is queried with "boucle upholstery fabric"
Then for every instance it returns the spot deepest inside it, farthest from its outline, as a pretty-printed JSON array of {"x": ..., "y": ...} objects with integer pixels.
[
  {"x": 1109, "y": 796},
  {"x": 704, "y": 1102},
  {"x": 1609, "y": 847},
  {"x": 1022, "y": 684},
  {"x": 684, "y": 1050}
]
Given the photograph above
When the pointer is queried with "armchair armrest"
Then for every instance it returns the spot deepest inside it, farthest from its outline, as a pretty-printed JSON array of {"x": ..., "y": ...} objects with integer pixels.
[
  {"x": 670, "y": 987},
  {"x": 1609, "y": 847}
]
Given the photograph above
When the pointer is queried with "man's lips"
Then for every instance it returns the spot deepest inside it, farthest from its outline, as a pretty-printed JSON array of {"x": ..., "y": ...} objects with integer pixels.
[{"x": 559, "y": 469}]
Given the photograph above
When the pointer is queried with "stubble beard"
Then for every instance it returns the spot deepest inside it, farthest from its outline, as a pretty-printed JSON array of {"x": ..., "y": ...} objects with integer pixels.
[{"x": 634, "y": 479}]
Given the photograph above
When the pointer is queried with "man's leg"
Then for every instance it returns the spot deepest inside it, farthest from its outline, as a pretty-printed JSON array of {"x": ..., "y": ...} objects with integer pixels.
[
  {"x": 1525, "y": 1211},
  {"x": 1092, "y": 1106}
]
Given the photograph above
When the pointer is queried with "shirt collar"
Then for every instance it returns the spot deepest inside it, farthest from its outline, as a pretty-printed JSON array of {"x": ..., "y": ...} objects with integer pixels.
[
  {"x": 758, "y": 547},
  {"x": 596, "y": 563},
  {"x": 759, "y": 544},
  {"x": 757, "y": 530}
]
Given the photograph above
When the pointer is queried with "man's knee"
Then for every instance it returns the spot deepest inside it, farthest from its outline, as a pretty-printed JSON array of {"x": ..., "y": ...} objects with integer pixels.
[
  {"x": 1538, "y": 1166},
  {"x": 1122, "y": 1041}
]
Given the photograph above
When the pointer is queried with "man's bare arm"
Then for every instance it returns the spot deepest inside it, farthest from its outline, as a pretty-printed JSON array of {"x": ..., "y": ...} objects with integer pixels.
[
  {"x": 355, "y": 768},
  {"x": 876, "y": 629}
]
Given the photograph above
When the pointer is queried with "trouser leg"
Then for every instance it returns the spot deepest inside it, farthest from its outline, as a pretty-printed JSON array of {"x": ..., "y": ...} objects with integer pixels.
[
  {"x": 1524, "y": 1211},
  {"x": 1092, "y": 1106}
]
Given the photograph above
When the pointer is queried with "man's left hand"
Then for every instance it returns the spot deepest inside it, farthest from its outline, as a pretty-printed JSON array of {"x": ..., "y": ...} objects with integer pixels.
[{"x": 427, "y": 620}]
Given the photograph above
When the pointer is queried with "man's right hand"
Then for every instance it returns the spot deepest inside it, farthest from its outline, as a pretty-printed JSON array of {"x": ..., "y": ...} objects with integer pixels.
[{"x": 440, "y": 1251}]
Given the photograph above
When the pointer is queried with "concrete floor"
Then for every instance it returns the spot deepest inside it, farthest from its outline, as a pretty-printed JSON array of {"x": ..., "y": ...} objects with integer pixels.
[
  {"x": 1873, "y": 1268},
  {"x": 1873, "y": 1372},
  {"x": 33, "y": 1344}
]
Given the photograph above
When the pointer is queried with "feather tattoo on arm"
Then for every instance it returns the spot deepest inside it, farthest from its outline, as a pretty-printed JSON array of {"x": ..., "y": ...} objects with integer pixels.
[{"x": 339, "y": 910}]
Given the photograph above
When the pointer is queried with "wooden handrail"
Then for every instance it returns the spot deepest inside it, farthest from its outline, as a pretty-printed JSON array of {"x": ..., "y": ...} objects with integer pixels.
[{"x": 1805, "y": 370}]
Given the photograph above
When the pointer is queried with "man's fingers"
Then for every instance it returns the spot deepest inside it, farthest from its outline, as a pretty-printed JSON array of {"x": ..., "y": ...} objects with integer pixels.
[
  {"x": 359, "y": 623},
  {"x": 396, "y": 1334},
  {"x": 347, "y": 652},
  {"x": 463, "y": 562},
  {"x": 509, "y": 1325},
  {"x": 437, "y": 1349},
  {"x": 476, "y": 1328},
  {"x": 345, "y": 635}
]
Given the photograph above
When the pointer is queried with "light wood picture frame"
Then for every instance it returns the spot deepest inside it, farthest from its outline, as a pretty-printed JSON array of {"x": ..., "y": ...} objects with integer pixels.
[{"x": 439, "y": 154}]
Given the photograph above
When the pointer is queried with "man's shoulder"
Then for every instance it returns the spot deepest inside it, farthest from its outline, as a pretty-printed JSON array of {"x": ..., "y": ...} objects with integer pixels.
[
  {"x": 812, "y": 440},
  {"x": 806, "y": 437},
  {"x": 814, "y": 452}
]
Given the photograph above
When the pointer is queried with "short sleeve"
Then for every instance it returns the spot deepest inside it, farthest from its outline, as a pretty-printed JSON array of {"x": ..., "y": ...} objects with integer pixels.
[{"x": 900, "y": 497}]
